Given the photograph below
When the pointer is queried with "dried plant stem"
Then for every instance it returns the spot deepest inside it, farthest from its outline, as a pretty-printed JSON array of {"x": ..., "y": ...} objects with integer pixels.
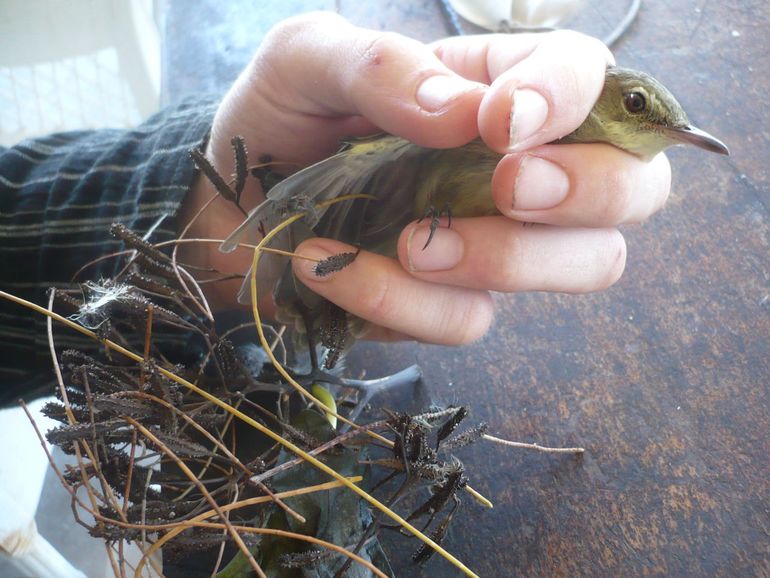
[
  {"x": 250, "y": 421},
  {"x": 480, "y": 498},
  {"x": 76, "y": 501},
  {"x": 218, "y": 444},
  {"x": 263, "y": 340},
  {"x": 108, "y": 495},
  {"x": 258, "y": 321},
  {"x": 202, "y": 489},
  {"x": 320, "y": 465},
  {"x": 147, "y": 342},
  {"x": 130, "y": 474},
  {"x": 287, "y": 465},
  {"x": 272, "y": 163},
  {"x": 71, "y": 420},
  {"x": 117, "y": 254},
  {"x": 144, "y": 513},
  {"x": 294, "y": 536},
  {"x": 222, "y": 447},
  {"x": 173, "y": 526},
  {"x": 222, "y": 544},
  {"x": 56, "y": 369},
  {"x": 198, "y": 240},
  {"x": 54, "y": 467},
  {"x": 290, "y": 254},
  {"x": 201, "y": 301},
  {"x": 204, "y": 306},
  {"x": 536, "y": 447},
  {"x": 279, "y": 339},
  {"x": 178, "y": 527}
]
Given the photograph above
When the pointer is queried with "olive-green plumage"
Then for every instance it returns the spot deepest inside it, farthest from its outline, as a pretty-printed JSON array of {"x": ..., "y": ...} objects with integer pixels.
[
  {"x": 638, "y": 114},
  {"x": 634, "y": 112}
]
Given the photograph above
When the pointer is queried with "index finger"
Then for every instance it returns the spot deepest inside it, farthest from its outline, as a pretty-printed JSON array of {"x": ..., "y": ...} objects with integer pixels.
[{"x": 542, "y": 85}]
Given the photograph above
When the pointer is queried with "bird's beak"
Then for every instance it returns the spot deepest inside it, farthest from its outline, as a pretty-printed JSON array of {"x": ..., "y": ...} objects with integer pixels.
[{"x": 695, "y": 136}]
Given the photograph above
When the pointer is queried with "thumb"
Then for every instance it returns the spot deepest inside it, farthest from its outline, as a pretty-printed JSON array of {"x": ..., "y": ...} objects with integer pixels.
[{"x": 395, "y": 82}]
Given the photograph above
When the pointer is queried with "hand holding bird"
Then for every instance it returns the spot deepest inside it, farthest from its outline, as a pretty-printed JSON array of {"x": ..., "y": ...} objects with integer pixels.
[{"x": 318, "y": 79}]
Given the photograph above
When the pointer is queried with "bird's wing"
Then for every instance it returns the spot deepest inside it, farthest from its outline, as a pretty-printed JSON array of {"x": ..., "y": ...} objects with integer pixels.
[{"x": 346, "y": 173}]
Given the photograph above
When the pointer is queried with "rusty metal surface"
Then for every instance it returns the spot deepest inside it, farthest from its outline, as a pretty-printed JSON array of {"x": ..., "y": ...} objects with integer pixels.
[{"x": 665, "y": 378}]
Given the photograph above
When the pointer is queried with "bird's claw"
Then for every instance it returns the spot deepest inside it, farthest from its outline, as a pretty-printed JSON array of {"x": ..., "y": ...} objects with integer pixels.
[{"x": 435, "y": 220}]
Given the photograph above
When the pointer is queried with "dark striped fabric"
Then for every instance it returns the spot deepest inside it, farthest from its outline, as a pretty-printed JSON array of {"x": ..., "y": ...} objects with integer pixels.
[{"x": 58, "y": 196}]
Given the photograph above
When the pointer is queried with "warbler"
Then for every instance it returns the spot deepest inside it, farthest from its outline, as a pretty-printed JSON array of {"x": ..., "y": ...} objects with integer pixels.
[{"x": 634, "y": 112}]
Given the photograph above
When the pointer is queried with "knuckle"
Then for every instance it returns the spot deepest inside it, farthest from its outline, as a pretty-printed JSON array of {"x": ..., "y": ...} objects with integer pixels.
[
  {"x": 378, "y": 302},
  {"x": 577, "y": 66},
  {"x": 596, "y": 46},
  {"x": 465, "y": 321},
  {"x": 476, "y": 319},
  {"x": 383, "y": 63},
  {"x": 615, "y": 256},
  {"x": 280, "y": 44},
  {"x": 285, "y": 31},
  {"x": 372, "y": 62},
  {"x": 379, "y": 51}
]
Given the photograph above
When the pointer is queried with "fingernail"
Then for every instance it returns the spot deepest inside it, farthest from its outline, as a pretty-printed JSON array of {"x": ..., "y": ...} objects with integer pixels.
[
  {"x": 444, "y": 251},
  {"x": 436, "y": 92},
  {"x": 540, "y": 184},
  {"x": 529, "y": 112}
]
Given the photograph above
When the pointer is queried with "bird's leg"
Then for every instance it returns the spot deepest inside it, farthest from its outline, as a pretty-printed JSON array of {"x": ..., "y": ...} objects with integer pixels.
[
  {"x": 435, "y": 219},
  {"x": 333, "y": 335},
  {"x": 367, "y": 388},
  {"x": 311, "y": 345}
]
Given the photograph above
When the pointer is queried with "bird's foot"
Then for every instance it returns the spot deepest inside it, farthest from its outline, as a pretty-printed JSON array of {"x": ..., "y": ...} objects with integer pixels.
[
  {"x": 367, "y": 388},
  {"x": 435, "y": 220}
]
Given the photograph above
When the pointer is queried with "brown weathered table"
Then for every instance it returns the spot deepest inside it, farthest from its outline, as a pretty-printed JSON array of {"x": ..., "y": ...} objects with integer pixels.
[{"x": 665, "y": 378}]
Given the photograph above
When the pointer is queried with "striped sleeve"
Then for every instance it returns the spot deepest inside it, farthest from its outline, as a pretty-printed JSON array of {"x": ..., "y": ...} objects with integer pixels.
[{"x": 58, "y": 197}]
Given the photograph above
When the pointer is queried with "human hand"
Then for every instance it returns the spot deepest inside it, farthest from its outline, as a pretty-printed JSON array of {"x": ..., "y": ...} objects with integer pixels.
[{"x": 317, "y": 79}]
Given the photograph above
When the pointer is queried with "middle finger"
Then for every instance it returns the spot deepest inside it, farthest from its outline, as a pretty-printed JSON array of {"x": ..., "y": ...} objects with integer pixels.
[{"x": 580, "y": 185}]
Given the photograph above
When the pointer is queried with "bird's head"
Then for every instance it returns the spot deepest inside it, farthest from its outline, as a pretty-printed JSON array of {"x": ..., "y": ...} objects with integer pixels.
[{"x": 638, "y": 114}]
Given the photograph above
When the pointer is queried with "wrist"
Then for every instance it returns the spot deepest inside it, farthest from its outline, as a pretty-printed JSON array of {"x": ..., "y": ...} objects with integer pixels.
[{"x": 211, "y": 218}]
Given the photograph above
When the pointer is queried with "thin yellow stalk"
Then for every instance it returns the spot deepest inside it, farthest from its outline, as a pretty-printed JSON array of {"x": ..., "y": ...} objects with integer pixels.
[
  {"x": 252, "y": 422},
  {"x": 179, "y": 527},
  {"x": 307, "y": 457},
  {"x": 193, "y": 478},
  {"x": 286, "y": 534}
]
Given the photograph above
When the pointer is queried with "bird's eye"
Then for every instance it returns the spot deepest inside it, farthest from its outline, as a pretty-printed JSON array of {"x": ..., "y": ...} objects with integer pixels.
[{"x": 634, "y": 102}]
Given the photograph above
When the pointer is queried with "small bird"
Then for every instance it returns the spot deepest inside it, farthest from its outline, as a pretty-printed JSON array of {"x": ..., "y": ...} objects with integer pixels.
[{"x": 634, "y": 112}]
